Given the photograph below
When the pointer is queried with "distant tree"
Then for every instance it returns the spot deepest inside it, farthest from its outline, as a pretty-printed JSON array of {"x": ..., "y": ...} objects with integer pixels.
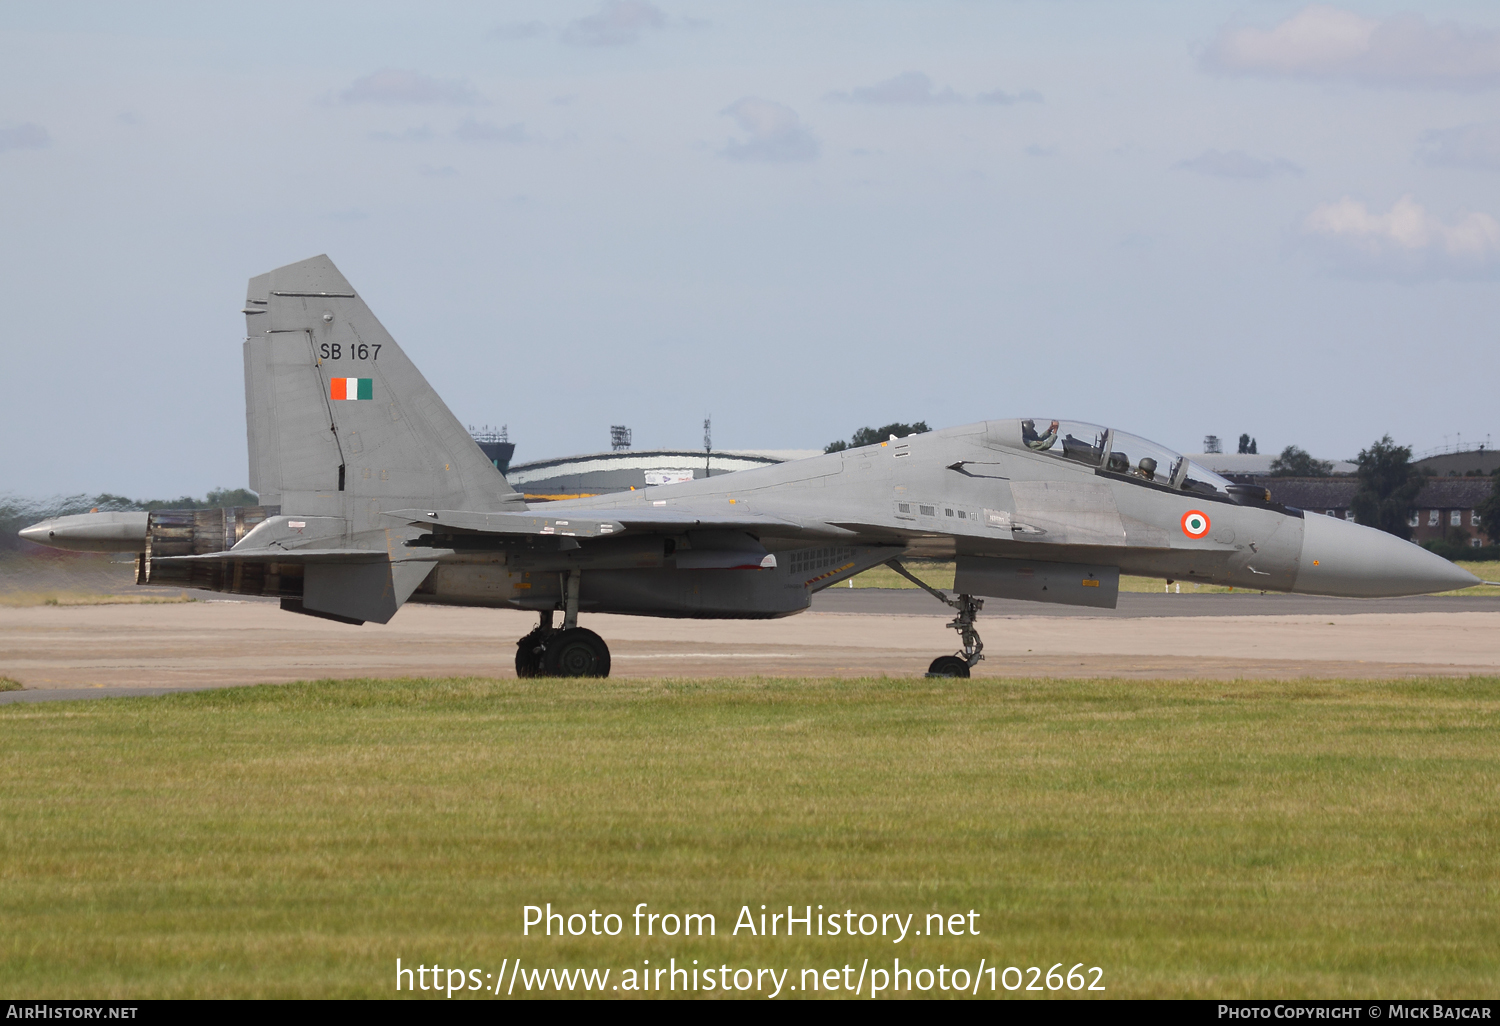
[
  {"x": 1244, "y": 443},
  {"x": 110, "y": 503},
  {"x": 232, "y": 497},
  {"x": 1388, "y": 486},
  {"x": 217, "y": 498},
  {"x": 1254, "y": 448},
  {"x": 870, "y": 436},
  {"x": 1489, "y": 513},
  {"x": 1295, "y": 462}
]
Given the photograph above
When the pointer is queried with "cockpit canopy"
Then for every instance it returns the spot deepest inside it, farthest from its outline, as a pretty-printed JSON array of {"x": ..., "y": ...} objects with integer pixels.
[{"x": 1121, "y": 453}]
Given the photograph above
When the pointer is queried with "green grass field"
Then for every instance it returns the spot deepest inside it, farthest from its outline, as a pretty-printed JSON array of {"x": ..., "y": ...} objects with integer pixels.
[{"x": 1192, "y": 838}]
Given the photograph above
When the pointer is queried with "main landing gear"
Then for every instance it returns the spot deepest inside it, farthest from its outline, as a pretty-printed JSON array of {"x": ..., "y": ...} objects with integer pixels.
[
  {"x": 960, "y": 663},
  {"x": 573, "y": 651}
]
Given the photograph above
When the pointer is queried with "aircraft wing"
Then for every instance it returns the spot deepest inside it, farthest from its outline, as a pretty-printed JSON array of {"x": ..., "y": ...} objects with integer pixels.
[{"x": 603, "y": 523}]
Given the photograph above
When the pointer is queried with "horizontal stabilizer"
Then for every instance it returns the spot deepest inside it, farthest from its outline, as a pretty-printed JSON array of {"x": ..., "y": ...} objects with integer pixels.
[
  {"x": 350, "y": 585},
  {"x": 362, "y": 590},
  {"x": 291, "y": 605}
]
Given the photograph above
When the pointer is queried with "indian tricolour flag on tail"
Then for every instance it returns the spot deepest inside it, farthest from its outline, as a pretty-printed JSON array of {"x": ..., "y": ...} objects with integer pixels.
[{"x": 351, "y": 388}]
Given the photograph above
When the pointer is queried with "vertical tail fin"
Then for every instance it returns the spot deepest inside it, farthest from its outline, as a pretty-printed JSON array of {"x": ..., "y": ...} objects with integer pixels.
[{"x": 340, "y": 422}]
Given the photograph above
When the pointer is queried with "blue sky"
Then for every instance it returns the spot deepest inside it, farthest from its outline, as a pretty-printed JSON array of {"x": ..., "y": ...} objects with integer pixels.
[{"x": 1177, "y": 218}]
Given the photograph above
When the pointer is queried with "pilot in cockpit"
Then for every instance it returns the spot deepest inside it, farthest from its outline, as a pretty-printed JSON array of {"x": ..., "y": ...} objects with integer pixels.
[
  {"x": 1036, "y": 441},
  {"x": 1146, "y": 468}
]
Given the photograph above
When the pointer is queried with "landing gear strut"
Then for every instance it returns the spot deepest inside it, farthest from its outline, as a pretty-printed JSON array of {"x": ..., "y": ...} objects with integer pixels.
[
  {"x": 573, "y": 651},
  {"x": 959, "y": 664}
]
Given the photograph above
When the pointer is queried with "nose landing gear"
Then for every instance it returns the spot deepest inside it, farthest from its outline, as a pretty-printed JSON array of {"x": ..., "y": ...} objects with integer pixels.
[
  {"x": 960, "y": 663},
  {"x": 573, "y": 651},
  {"x": 948, "y": 666}
]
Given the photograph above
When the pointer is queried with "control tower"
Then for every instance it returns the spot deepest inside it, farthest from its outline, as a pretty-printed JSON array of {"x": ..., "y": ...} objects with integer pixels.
[{"x": 495, "y": 443}]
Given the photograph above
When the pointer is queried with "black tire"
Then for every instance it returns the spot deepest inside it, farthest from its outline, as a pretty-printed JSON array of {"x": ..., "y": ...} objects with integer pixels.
[
  {"x": 948, "y": 666},
  {"x": 576, "y": 652},
  {"x": 528, "y": 656}
]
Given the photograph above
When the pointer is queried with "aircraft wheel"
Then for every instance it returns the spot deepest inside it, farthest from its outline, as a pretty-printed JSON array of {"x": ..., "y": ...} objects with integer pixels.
[
  {"x": 948, "y": 666},
  {"x": 576, "y": 652},
  {"x": 528, "y": 659}
]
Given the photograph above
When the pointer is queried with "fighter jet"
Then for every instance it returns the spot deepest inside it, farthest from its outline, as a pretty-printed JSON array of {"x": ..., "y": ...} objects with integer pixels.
[{"x": 374, "y": 496}]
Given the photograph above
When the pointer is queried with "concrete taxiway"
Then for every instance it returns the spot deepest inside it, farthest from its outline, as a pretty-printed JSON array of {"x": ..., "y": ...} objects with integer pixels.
[{"x": 99, "y": 651}]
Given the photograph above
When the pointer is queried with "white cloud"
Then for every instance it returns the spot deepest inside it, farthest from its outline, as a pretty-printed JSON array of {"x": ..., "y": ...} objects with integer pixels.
[
  {"x": 1476, "y": 146},
  {"x": 1316, "y": 39},
  {"x": 483, "y": 131},
  {"x": 1237, "y": 164},
  {"x": 916, "y": 88},
  {"x": 23, "y": 137},
  {"x": 1000, "y": 97},
  {"x": 775, "y": 132},
  {"x": 617, "y": 23},
  {"x": 393, "y": 86},
  {"x": 909, "y": 87},
  {"x": 1327, "y": 42},
  {"x": 1406, "y": 240}
]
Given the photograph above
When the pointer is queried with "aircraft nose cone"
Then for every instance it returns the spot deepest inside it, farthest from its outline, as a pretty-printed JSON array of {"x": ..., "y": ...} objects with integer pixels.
[
  {"x": 38, "y": 533},
  {"x": 1343, "y": 558}
]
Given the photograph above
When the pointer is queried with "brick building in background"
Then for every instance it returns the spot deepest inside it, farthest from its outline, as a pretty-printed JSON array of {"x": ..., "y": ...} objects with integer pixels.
[{"x": 1445, "y": 507}]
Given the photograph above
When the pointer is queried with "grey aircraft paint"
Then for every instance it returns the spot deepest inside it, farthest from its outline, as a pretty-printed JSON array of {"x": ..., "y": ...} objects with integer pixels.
[{"x": 374, "y": 495}]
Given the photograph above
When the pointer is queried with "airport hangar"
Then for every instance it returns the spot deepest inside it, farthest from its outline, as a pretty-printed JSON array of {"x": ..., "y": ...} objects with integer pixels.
[{"x": 600, "y": 473}]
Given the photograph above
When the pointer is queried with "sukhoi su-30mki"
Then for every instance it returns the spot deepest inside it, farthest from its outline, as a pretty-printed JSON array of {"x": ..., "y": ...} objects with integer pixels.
[{"x": 374, "y": 496}]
